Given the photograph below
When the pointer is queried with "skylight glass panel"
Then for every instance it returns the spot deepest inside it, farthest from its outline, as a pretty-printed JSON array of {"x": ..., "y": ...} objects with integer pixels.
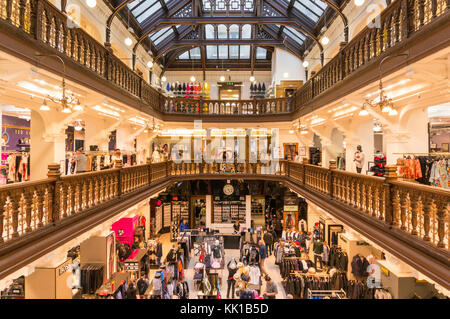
[
  {"x": 246, "y": 31},
  {"x": 209, "y": 31},
  {"x": 211, "y": 52},
  {"x": 195, "y": 54},
  {"x": 261, "y": 53},
  {"x": 151, "y": 10},
  {"x": 184, "y": 56},
  {"x": 234, "y": 31},
  {"x": 163, "y": 36},
  {"x": 294, "y": 34},
  {"x": 223, "y": 52},
  {"x": 310, "y": 9},
  {"x": 245, "y": 52},
  {"x": 157, "y": 34},
  {"x": 222, "y": 31},
  {"x": 249, "y": 5},
  {"x": 234, "y": 52}
]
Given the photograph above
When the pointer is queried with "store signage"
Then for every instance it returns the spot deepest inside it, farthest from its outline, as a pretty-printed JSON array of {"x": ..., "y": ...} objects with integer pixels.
[
  {"x": 362, "y": 243},
  {"x": 291, "y": 204},
  {"x": 65, "y": 268},
  {"x": 131, "y": 266}
]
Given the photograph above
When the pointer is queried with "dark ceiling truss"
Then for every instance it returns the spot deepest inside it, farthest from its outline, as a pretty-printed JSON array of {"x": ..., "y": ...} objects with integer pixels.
[{"x": 185, "y": 16}]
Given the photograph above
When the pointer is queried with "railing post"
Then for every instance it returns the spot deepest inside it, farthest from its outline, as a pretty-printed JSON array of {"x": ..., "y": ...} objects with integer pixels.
[
  {"x": 118, "y": 164},
  {"x": 304, "y": 174},
  {"x": 389, "y": 196},
  {"x": 330, "y": 182},
  {"x": 54, "y": 172},
  {"x": 149, "y": 169},
  {"x": 405, "y": 19}
]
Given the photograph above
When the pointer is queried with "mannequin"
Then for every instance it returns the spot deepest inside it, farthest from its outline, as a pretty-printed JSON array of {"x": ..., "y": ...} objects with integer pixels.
[{"x": 359, "y": 159}]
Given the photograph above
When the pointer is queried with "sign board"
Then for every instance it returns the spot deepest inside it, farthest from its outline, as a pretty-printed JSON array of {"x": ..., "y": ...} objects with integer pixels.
[{"x": 131, "y": 266}]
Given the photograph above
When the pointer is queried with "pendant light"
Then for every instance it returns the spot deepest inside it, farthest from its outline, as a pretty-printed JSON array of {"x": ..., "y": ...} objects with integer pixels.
[
  {"x": 192, "y": 79},
  {"x": 359, "y": 3},
  {"x": 252, "y": 78},
  {"x": 128, "y": 41},
  {"x": 305, "y": 64},
  {"x": 222, "y": 78},
  {"x": 363, "y": 111},
  {"x": 324, "y": 29},
  {"x": 91, "y": 3},
  {"x": 44, "y": 106},
  {"x": 149, "y": 64},
  {"x": 163, "y": 79}
]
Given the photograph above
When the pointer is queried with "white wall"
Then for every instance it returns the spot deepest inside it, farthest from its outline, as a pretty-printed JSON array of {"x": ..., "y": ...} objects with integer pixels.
[{"x": 285, "y": 62}]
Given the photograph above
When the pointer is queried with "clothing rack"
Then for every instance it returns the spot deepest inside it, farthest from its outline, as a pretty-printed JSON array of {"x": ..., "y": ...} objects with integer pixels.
[
  {"x": 339, "y": 294},
  {"x": 425, "y": 154},
  {"x": 300, "y": 274}
]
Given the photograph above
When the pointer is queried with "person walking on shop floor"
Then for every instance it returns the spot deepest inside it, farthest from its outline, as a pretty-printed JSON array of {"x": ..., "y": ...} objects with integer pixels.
[
  {"x": 262, "y": 256},
  {"x": 159, "y": 251},
  {"x": 268, "y": 240}
]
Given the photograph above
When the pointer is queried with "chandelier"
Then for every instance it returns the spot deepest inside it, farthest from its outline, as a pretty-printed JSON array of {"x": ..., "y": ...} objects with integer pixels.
[
  {"x": 383, "y": 102},
  {"x": 69, "y": 102}
]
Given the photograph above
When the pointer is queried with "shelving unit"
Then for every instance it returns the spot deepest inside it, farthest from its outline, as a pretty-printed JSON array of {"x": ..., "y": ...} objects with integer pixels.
[{"x": 228, "y": 211}]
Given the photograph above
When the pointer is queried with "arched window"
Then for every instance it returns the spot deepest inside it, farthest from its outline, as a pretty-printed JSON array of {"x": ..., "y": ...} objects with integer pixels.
[
  {"x": 234, "y": 31},
  {"x": 222, "y": 31},
  {"x": 209, "y": 31},
  {"x": 247, "y": 31}
]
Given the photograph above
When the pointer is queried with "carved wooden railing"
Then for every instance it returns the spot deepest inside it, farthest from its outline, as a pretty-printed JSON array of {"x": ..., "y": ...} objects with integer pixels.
[
  {"x": 398, "y": 22},
  {"x": 44, "y": 23},
  {"x": 417, "y": 210},
  {"x": 223, "y": 107}
]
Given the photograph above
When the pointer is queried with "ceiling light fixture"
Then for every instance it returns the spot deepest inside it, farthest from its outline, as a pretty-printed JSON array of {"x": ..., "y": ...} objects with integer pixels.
[
  {"x": 150, "y": 64},
  {"x": 78, "y": 107},
  {"x": 359, "y": 3},
  {"x": 91, "y": 3},
  {"x": 44, "y": 107},
  {"x": 325, "y": 40},
  {"x": 128, "y": 41},
  {"x": 305, "y": 64},
  {"x": 164, "y": 79},
  {"x": 383, "y": 102},
  {"x": 192, "y": 78},
  {"x": 222, "y": 78},
  {"x": 363, "y": 111},
  {"x": 252, "y": 78},
  {"x": 65, "y": 100}
]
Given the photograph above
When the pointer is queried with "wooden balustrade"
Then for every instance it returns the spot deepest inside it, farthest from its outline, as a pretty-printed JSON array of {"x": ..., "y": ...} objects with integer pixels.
[
  {"x": 394, "y": 25},
  {"x": 223, "y": 107},
  {"x": 418, "y": 210},
  {"x": 43, "y": 22}
]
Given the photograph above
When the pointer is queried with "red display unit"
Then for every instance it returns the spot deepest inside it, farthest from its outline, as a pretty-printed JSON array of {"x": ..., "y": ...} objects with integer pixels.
[{"x": 125, "y": 228}]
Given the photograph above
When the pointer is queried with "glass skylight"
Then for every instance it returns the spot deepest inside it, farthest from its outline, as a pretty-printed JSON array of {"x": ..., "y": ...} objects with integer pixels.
[
  {"x": 261, "y": 53},
  {"x": 142, "y": 10},
  {"x": 161, "y": 35}
]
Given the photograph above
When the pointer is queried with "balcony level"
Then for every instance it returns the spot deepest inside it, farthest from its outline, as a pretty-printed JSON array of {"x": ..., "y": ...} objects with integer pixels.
[
  {"x": 417, "y": 29},
  {"x": 408, "y": 220}
]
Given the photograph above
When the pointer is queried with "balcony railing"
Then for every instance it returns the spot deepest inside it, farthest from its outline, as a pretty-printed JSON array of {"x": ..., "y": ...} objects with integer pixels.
[
  {"x": 398, "y": 22},
  {"x": 223, "y": 107},
  {"x": 42, "y": 22},
  {"x": 417, "y": 210}
]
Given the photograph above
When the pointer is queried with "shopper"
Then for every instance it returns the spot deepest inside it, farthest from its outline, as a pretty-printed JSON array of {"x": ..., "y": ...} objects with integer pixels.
[
  {"x": 326, "y": 253},
  {"x": 269, "y": 242},
  {"x": 159, "y": 252},
  {"x": 136, "y": 243},
  {"x": 131, "y": 291},
  {"x": 183, "y": 226},
  {"x": 262, "y": 255},
  {"x": 142, "y": 285},
  {"x": 232, "y": 269},
  {"x": 182, "y": 289},
  {"x": 236, "y": 227},
  {"x": 81, "y": 162},
  {"x": 271, "y": 289},
  {"x": 318, "y": 251}
]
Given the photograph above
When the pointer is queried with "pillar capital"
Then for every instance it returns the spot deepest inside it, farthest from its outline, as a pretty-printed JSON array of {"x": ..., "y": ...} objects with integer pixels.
[{"x": 53, "y": 171}]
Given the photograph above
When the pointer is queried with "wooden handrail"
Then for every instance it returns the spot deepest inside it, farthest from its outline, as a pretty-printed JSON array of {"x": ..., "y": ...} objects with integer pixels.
[
  {"x": 43, "y": 22},
  {"x": 417, "y": 209}
]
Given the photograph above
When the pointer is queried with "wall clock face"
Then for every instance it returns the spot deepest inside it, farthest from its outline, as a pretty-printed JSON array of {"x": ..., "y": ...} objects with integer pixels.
[{"x": 228, "y": 189}]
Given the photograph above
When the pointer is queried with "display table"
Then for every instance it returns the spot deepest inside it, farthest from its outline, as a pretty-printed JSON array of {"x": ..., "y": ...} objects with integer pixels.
[
  {"x": 108, "y": 288},
  {"x": 133, "y": 264}
]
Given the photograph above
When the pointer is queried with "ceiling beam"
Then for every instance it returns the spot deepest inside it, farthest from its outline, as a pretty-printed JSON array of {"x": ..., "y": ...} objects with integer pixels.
[
  {"x": 110, "y": 20},
  {"x": 337, "y": 8}
]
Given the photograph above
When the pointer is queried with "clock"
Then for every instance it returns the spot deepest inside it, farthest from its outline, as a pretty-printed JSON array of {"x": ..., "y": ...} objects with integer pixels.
[{"x": 228, "y": 189}]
